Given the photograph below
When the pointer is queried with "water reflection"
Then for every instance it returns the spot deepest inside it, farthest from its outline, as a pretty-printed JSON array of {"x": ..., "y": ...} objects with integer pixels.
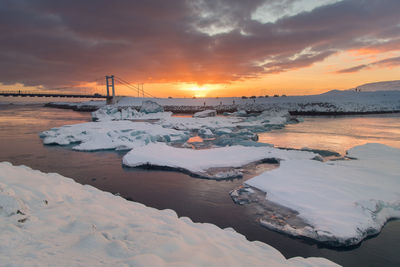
[{"x": 337, "y": 133}]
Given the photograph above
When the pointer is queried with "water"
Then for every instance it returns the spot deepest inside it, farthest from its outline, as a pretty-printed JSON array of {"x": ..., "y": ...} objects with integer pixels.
[
  {"x": 201, "y": 200},
  {"x": 337, "y": 133}
]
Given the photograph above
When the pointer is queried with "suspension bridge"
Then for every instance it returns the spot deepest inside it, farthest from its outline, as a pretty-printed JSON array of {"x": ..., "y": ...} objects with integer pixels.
[{"x": 110, "y": 84}]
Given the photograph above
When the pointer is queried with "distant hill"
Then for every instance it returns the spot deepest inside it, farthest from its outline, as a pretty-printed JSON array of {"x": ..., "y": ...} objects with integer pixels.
[{"x": 380, "y": 86}]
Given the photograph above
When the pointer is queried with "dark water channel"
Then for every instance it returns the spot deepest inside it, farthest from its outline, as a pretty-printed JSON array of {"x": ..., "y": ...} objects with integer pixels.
[{"x": 201, "y": 200}]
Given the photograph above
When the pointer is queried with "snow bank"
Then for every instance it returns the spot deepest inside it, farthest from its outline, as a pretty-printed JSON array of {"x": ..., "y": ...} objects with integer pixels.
[
  {"x": 47, "y": 219},
  {"x": 118, "y": 135},
  {"x": 343, "y": 201},
  {"x": 197, "y": 162}
]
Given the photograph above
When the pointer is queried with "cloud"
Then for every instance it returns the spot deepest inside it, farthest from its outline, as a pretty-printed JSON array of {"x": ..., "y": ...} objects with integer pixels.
[
  {"x": 59, "y": 43},
  {"x": 388, "y": 62}
]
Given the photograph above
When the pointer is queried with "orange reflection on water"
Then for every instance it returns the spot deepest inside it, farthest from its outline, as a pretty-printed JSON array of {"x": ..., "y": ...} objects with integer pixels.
[
  {"x": 194, "y": 139},
  {"x": 337, "y": 133}
]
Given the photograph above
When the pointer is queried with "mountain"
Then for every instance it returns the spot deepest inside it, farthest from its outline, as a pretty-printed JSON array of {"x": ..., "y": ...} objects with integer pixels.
[{"x": 380, "y": 86}]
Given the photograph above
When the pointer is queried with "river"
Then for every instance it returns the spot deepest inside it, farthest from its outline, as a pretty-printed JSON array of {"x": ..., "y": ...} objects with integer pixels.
[{"x": 201, "y": 200}]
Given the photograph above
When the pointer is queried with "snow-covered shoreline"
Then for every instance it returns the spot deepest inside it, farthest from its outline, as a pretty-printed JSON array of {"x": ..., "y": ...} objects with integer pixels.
[
  {"x": 48, "y": 219},
  {"x": 330, "y": 103}
]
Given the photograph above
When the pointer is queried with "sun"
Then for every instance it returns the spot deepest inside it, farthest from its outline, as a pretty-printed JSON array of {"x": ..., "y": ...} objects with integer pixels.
[{"x": 199, "y": 90}]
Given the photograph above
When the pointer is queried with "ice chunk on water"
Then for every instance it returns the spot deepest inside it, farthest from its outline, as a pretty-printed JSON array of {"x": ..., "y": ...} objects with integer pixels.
[
  {"x": 205, "y": 113},
  {"x": 205, "y": 133},
  {"x": 112, "y": 135},
  {"x": 344, "y": 201},
  {"x": 200, "y": 161},
  {"x": 149, "y": 106}
]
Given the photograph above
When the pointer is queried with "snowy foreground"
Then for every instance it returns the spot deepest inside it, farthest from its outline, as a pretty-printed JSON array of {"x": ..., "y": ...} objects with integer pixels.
[
  {"x": 47, "y": 219},
  {"x": 343, "y": 201}
]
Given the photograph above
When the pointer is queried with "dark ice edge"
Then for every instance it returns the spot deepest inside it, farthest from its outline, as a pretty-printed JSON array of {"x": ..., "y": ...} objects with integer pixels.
[{"x": 203, "y": 175}]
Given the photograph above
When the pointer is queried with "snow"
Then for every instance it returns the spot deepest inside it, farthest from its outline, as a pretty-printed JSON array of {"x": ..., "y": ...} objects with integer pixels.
[
  {"x": 344, "y": 201},
  {"x": 51, "y": 220},
  {"x": 205, "y": 113},
  {"x": 197, "y": 162},
  {"x": 119, "y": 135}
]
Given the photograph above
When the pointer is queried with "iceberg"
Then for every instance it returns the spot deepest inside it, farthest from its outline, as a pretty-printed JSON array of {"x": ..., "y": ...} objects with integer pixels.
[
  {"x": 47, "y": 219},
  {"x": 342, "y": 202}
]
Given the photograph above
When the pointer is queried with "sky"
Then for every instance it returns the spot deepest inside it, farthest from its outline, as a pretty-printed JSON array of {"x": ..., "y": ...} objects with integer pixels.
[{"x": 186, "y": 48}]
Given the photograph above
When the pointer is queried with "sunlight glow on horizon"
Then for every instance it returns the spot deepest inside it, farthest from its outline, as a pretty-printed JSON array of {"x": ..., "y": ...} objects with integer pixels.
[{"x": 315, "y": 79}]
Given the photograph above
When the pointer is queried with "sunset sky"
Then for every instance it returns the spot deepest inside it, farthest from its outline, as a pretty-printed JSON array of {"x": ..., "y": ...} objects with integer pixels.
[{"x": 186, "y": 48}]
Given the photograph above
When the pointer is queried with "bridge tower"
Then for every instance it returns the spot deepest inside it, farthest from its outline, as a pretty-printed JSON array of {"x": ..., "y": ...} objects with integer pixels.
[{"x": 110, "y": 84}]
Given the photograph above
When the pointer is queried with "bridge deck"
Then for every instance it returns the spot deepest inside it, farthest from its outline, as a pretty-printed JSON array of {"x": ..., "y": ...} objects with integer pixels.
[{"x": 32, "y": 94}]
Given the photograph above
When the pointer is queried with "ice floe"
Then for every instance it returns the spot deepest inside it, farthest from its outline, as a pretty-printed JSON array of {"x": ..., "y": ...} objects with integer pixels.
[
  {"x": 224, "y": 162},
  {"x": 48, "y": 219},
  {"x": 343, "y": 201},
  {"x": 119, "y": 135}
]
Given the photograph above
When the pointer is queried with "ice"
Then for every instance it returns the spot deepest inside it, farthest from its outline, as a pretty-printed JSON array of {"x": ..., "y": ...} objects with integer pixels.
[
  {"x": 68, "y": 224},
  {"x": 197, "y": 162},
  {"x": 205, "y": 113},
  {"x": 263, "y": 122},
  {"x": 120, "y": 135},
  {"x": 205, "y": 133},
  {"x": 149, "y": 106},
  {"x": 343, "y": 201},
  {"x": 111, "y": 112}
]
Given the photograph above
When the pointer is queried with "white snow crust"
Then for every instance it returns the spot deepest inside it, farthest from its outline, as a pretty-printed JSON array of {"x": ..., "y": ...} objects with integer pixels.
[
  {"x": 48, "y": 219},
  {"x": 343, "y": 201},
  {"x": 198, "y": 161}
]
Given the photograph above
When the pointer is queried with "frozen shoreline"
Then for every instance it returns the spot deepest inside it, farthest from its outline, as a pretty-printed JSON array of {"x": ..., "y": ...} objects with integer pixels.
[
  {"x": 49, "y": 219},
  {"x": 331, "y": 103}
]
